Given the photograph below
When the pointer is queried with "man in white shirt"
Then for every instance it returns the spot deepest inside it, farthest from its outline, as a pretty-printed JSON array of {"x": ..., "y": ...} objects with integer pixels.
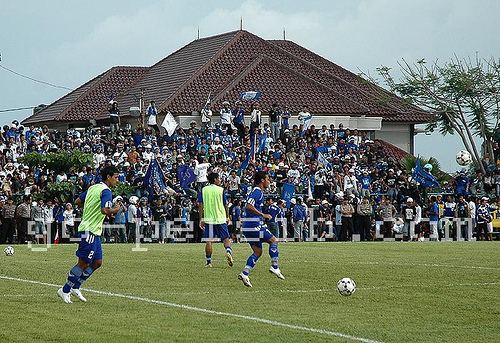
[
  {"x": 226, "y": 116},
  {"x": 206, "y": 116},
  {"x": 305, "y": 118},
  {"x": 201, "y": 172},
  {"x": 350, "y": 183}
]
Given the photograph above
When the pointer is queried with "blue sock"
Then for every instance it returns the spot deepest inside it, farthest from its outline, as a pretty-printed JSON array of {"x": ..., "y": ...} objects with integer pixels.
[
  {"x": 274, "y": 253},
  {"x": 229, "y": 250},
  {"x": 85, "y": 275},
  {"x": 209, "y": 259},
  {"x": 252, "y": 260},
  {"x": 73, "y": 276}
]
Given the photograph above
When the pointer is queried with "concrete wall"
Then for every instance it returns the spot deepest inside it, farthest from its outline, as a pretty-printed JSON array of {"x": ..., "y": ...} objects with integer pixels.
[{"x": 400, "y": 135}]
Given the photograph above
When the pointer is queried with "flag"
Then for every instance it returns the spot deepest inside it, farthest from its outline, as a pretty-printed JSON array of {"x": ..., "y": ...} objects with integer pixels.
[
  {"x": 250, "y": 95},
  {"x": 309, "y": 189},
  {"x": 169, "y": 124},
  {"x": 423, "y": 177},
  {"x": 250, "y": 155},
  {"x": 154, "y": 180},
  {"x": 186, "y": 176},
  {"x": 262, "y": 142},
  {"x": 56, "y": 238},
  {"x": 287, "y": 193},
  {"x": 322, "y": 159}
]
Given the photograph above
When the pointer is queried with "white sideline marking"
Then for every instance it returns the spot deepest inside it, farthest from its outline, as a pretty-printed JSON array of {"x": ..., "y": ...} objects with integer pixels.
[
  {"x": 203, "y": 310},
  {"x": 401, "y": 264}
]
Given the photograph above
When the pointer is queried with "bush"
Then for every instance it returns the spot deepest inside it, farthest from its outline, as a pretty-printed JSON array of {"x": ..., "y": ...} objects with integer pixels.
[{"x": 57, "y": 161}]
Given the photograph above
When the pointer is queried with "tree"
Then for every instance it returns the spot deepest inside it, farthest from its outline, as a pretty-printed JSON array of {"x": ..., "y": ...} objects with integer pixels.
[
  {"x": 463, "y": 95},
  {"x": 57, "y": 161}
]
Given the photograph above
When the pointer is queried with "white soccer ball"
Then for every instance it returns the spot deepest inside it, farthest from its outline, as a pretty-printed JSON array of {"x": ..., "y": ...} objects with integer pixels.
[
  {"x": 346, "y": 286},
  {"x": 9, "y": 251},
  {"x": 464, "y": 158}
]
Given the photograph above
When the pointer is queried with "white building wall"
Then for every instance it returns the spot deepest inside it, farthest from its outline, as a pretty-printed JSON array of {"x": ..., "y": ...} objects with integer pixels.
[{"x": 400, "y": 135}]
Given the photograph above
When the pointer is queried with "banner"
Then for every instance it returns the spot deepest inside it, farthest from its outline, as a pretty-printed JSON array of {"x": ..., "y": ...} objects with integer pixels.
[
  {"x": 154, "y": 180},
  {"x": 169, "y": 124},
  {"x": 423, "y": 177},
  {"x": 287, "y": 193},
  {"x": 250, "y": 95},
  {"x": 186, "y": 176}
]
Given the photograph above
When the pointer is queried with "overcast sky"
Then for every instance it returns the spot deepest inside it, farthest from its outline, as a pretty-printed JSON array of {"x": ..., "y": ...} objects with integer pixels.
[{"x": 67, "y": 43}]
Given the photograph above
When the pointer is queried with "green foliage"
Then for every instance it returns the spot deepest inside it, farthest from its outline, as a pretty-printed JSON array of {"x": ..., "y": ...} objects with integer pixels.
[
  {"x": 63, "y": 191},
  {"x": 463, "y": 96},
  {"x": 123, "y": 190},
  {"x": 57, "y": 161},
  {"x": 33, "y": 159}
]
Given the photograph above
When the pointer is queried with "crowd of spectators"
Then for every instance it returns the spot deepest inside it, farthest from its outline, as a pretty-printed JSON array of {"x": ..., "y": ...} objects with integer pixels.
[{"x": 354, "y": 188}]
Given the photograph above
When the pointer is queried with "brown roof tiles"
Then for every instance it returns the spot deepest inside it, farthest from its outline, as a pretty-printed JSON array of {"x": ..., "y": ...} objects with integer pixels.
[{"x": 223, "y": 66}]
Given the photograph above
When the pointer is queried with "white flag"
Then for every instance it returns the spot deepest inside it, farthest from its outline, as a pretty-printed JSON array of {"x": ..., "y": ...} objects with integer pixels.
[{"x": 169, "y": 124}]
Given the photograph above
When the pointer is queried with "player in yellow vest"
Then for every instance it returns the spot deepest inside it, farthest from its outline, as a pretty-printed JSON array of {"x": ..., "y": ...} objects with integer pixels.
[
  {"x": 97, "y": 203},
  {"x": 214, "y": 216}
]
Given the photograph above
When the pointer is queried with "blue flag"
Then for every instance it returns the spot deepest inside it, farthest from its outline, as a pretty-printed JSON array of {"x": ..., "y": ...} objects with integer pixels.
[
  {"x": 423, "y": 177},
  {"x": 154, "y": 180},
  {"x": 250, "y": 155},
  {"x": 322, "y": 159},
  {"x": 262, "y": 142},
  {"x": 186, "y": 176},
  {"x": 250, "y": 95},
  {"x": 287, "y": 193}
]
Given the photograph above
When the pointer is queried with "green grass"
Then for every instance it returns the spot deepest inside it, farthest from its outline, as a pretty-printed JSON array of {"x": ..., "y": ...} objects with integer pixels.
[{"x": 407, "y": 292}]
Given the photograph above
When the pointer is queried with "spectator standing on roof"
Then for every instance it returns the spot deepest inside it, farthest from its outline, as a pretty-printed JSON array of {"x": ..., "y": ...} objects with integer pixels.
[
  {"x": 255, "y": 118},
  {"x": 152, "y": 113},
  {"x": 226, "y": 116}
]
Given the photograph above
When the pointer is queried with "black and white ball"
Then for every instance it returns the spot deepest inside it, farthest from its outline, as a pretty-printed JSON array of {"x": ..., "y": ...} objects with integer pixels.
[
  {"x": 463, "y": 158},
  {"x": 9, "y": 251},
  {"x": 346, "y": 286}
]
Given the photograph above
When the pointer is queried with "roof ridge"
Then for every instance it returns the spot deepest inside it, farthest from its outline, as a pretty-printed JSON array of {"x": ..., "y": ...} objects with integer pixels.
[
  {"x": 200, "y": 70},
  {"x": 375, "y": 87},
  {"x": 262, "y": 57},
  {"x": 241, "y": 75},
  {"x": 100, "y": 79},
  {"x": 67, "y": 95},
  {"x": 314, "y": 67}
]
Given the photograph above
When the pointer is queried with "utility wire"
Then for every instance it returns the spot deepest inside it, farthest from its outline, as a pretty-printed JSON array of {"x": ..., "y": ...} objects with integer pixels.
[
  {"x": 35, "y": 80},
  {"x": 17, "y": 109}
]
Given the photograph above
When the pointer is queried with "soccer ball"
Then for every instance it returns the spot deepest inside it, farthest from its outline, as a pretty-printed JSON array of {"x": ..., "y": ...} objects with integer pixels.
[
  {"x": 346, "y": 286},
  {"x": 9, "y": 251},
  {"x": 463, "y": 157}
]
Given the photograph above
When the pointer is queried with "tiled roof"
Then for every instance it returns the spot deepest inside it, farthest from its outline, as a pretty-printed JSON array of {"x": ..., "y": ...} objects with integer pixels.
[
  {"x": 223, "y": 66},
  {"x": 365, "y": 89},
  {"x": 91, "y": 99},
  {"x": 392, "y": 151}
]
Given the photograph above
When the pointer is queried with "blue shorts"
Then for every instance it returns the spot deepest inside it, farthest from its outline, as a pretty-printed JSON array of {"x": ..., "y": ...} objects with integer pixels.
[
  {"x": 213, "y": 231},
  {"x": 256, "y": 237},
  {"x": 89, "y": 248}
]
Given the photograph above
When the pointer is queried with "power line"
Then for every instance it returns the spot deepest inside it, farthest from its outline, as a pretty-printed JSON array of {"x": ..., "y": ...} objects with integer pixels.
[
  {"x": 35, "y": 80},
  {"x": 17, "y": 109}
]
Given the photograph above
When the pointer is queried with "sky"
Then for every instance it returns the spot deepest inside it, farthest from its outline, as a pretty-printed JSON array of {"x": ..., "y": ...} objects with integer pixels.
[{"x": 67, "y": 43}]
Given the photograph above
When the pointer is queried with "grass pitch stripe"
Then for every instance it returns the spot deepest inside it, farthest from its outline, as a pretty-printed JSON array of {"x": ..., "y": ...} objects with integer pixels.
[{"x": 204, "y": 310}]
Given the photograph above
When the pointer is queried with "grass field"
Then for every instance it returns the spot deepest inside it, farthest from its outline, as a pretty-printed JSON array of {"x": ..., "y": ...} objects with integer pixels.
[{"x": 407, "y": 292}]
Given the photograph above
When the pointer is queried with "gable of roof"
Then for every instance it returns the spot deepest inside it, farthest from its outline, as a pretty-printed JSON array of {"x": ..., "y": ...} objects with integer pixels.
[{"x": 405, "y": 111}]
